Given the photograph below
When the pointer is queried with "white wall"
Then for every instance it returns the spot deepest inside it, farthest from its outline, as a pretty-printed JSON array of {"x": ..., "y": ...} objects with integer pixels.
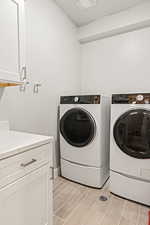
[
  {"x": 119, "y": 64},
  {"x": 53, "y": 59}
]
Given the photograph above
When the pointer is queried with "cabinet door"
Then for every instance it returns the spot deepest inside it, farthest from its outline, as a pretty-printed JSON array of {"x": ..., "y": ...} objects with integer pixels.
[
  {"x": 12, "y": 39},
  {"x": 26, "y": 202}
]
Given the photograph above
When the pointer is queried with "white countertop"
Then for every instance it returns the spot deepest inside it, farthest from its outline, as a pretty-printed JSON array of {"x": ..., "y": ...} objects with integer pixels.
[{"x": 13, "y": 142}]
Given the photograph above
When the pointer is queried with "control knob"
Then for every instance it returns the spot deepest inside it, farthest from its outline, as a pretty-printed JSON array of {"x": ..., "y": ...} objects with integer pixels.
[
  {"x": 139, "y": 97},
  {"x": 76, "y": 99}
]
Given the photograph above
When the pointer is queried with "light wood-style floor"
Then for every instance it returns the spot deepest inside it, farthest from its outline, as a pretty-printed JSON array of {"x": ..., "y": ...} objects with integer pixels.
[{"x": 75, "y": 204}]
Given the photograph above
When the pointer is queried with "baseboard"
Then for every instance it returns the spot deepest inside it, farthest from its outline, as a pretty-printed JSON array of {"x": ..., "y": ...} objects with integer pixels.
[
  {"x": 107, "y": 184},
  {"x": 56, "y": 172}
]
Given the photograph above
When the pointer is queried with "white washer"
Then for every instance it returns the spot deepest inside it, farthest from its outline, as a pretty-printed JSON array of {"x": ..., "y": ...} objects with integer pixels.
[
  {"x": 130, "y": 147},
  {"x": 84, "y": 139}
]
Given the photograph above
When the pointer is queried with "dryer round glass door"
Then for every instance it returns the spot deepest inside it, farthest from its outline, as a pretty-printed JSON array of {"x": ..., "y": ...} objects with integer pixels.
[
  {"x": 78, "y": 127},
  {"x": 132, "y": 133}
]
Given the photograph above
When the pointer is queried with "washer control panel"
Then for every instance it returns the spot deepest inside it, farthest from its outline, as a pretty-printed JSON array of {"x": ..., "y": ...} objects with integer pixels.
[
  {"x": 80, "y": 99},
  {"x": 138, "y": 98}
]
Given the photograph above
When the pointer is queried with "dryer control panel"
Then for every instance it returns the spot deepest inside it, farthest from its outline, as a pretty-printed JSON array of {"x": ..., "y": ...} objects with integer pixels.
[
  {"x": 135, "y": 98},
  {"x": 80, "y": 99}
]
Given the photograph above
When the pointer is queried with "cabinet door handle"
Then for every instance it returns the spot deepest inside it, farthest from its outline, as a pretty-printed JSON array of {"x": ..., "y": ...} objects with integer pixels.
[
  {"x": 29, "y": 163},
  {"x": 23, "y": 74},
  {"x": 53, "y": 173}
]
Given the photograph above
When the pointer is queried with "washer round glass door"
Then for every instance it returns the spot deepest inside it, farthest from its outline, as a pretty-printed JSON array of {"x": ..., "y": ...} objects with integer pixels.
[
  {"x": 78, "y": 127},
  {"x": 132, "y": 133}
]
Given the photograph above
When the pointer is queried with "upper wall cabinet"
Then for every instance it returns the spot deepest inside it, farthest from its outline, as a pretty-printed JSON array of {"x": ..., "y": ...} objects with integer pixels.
[{"x": 12, "y": 41}]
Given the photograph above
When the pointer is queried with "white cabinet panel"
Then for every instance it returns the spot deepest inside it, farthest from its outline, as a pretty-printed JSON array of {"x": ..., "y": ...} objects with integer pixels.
[
  {"x": 12, "y": 39},
  {"x": 26, "y": 202}
]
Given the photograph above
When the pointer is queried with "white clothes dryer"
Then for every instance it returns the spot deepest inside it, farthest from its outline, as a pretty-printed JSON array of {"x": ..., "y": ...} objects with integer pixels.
[
  {"x": 84, "y": 139},
  {"x": 130, "y": 147}
]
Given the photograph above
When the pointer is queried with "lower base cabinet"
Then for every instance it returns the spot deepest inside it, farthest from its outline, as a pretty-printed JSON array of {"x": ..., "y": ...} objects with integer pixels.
[{"x": 27, "y": 201}]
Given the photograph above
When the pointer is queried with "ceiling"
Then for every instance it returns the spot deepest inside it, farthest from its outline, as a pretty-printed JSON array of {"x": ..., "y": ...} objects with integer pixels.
[{"x": 81, "y": 16}]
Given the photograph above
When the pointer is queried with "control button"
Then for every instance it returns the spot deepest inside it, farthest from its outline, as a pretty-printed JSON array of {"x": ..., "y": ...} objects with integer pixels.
[
  {"x": 146, "y": 101},
  {"x": 139, "y": 97},
  {"x": 134, "y": 102},
  {"x": 76, "y": 99}
]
